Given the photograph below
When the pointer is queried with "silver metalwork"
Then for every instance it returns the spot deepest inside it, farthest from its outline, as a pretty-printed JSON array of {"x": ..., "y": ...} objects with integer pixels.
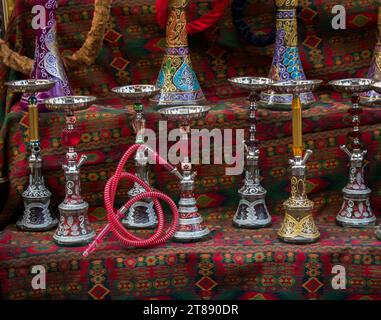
[
  {"x": 141, "y": 214},
  {"x": 37, "y": 215},
  {"x": 74, "y": 228},
  {"x": 356, "y": 210},
  {"x": 252, "y": 211},
  {"x": 298, "y": 225},
  {"x": 191, "y": 225}
]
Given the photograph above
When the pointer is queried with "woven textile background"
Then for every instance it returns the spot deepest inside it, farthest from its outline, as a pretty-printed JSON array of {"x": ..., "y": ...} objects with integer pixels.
[{"x": 235, "y": 263}]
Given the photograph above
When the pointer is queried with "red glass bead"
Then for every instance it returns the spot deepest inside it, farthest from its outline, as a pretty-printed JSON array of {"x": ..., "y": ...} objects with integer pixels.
[{"x": 70, "y": 138}]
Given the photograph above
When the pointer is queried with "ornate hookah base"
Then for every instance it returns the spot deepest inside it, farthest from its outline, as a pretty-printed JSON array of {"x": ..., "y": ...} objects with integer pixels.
[
  {"x": 74, "y": 228},
  {"x": 191, "y": 226},
  {"x": 252, "y": 211},
  {"x": 141, "y": 215},
  {"x": 37, "y": 216},
  {"x": 356, "y": 210},
  {"x": 298, "y": 225}
]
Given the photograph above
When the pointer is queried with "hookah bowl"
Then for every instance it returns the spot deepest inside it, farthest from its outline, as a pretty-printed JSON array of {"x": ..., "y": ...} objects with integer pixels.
[
  {"x": 286, "y": 65},
  {"x": 298, "y": 225},
  {"x": 191, "y": 226},
  {"x": 37, "y": 215},
  {"x": 356, "y": 210},
  {"x": 142, "y": 213},
  {"x": 252, "y": 211},
  {"x": 74, "y": 228}
]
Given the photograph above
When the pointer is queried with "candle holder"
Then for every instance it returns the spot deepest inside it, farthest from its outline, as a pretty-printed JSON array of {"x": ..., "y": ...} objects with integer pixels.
[
  {"x": 252, "y": 210},
  {"x": 74, "y": 228},
  {"x": 286, "y": 65},
  {"x": 356, "y": 210},
  {"x": 298, "y": 225},
  {"x": 37, "y": 215},
  {"x": 142, "y": 213},
  {"x": 191, "y": 225}
]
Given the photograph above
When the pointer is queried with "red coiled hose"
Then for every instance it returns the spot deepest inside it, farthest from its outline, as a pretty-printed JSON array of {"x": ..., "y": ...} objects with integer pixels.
[{"x": 114, "y": 216}]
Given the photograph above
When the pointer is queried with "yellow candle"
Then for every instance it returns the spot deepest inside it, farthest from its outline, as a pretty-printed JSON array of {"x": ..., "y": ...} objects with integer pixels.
[{"x": 297, "y": 135}]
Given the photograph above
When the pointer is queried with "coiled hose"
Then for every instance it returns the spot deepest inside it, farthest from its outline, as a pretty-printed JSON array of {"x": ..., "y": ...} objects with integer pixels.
[{"x": 127, "y": 238}]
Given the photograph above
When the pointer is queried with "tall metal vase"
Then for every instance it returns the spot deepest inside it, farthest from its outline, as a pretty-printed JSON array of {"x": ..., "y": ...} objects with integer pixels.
[
  {"x": 372, "y": 98},
  {"x": 177, "y": 80},
  {"x": 47, "y": 61},
  {"x": 286, "y": 63}
]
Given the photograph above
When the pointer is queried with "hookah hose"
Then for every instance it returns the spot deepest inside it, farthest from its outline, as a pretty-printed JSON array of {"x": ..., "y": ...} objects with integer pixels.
[{"x": 116, "y": 227}]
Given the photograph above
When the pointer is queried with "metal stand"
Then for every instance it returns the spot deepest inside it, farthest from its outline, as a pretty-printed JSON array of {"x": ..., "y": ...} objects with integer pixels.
[
  {"x": 191, "y": 226},
  {"x": 356, "y": 210},
  {"x": 37, "y": 215},
  {"x": 141, "y": 215},
  {"x": 74, "y": 227},
  {"x": 298, "y": 225},
  {"x": 252, "y": 210}
]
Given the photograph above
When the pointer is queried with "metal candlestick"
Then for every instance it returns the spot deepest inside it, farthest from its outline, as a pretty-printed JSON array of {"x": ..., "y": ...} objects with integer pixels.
[
  {"x": 141, "y": 214},
  {"x": 191, "y": 225},
  {"x": 37, "y": 215},
  {"x": 252, "y": 210},
  {"x": 298, "y": 225},
  {"x": 286, "y": 65},
  {"x": 356, "y": 210},
  {"x": 74, "y": 227}
]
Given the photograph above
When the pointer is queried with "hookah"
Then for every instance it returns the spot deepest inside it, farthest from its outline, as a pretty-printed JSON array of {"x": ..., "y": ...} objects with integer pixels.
[
  {"x": 74, "y": 228},
  {"x": 286, "y": 65},
  {"x": 37, "y": 215},
  {"x": 47, "y": 63},
  {"x": 177, "y": 80},
  {"x": 141, "y": 214},
  {"x": 372, "y": 98},
  {"x": 377, "y": 88},
  {"x": 356, "y": 210},
  {"x": 298, "y": 225},
  {"x": 252, "y": 210},
  {"x": 191, "y": 226}
]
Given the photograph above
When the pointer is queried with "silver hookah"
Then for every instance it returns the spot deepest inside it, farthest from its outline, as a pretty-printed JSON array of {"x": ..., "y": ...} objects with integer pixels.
[
  {"x": 356, "y": 210},
  {"x": 74, "y": 228},
  {"x": 191, "y": 225},
  {"x": 377, "y": 88},
  {"x": 37, "y": 215},
  {"x": 252, "y": 211},
  {"x": 141, "y": 214}
]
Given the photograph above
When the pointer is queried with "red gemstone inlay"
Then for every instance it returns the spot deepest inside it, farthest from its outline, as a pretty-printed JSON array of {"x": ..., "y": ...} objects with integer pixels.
[{"x": 70, "y": 138}]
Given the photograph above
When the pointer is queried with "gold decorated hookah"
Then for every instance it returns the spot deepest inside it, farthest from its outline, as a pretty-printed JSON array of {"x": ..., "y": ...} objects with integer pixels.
[
  {"x": 252, "y": 210},
  {"x": 142, "y": 213},
  {"x": 298, "y": 225},
  {"x": 372, "y": 98},
  {"x": 37, "y": 215},
  {"x": 177, "y": 80},
  {"x": 286, "y": 65},
  {"x": 74, "y": 228},
  {"x": 191, "y": 225},
  {"x": 356, "y": 210}
]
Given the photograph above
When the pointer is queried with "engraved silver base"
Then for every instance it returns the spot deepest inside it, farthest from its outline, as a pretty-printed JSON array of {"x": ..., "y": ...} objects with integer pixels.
[
  {"x": 356, "y": 211},
  {"x": 74, "y": 228},
  {"x": 37, "y": 215},
  {"x": 252, "y": 211},
  {"x": 141, "y": 215}
]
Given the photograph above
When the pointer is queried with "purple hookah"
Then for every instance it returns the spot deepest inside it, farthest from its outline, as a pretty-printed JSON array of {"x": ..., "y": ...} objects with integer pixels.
[{"x": 48, "y": 64}]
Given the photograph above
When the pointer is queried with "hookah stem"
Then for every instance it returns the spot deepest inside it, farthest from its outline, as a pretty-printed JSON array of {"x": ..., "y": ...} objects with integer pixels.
[
  {"x": 33, "y": 119},
  {"x": 297, "y": 135},
  {"x": 356, "y": 110},
  {"x": 114, "y": 225}
]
